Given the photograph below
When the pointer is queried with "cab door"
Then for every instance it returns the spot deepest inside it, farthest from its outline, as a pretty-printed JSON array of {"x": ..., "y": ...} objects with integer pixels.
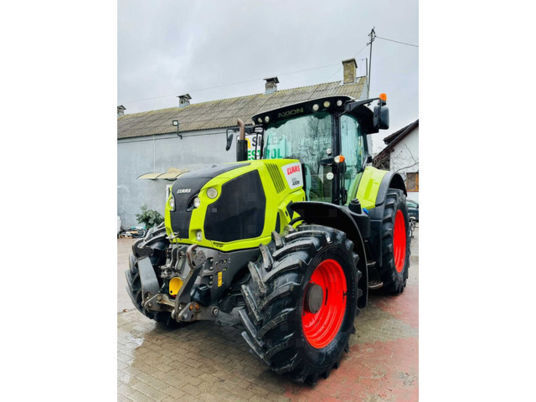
[{"x": 354, "y": 150}]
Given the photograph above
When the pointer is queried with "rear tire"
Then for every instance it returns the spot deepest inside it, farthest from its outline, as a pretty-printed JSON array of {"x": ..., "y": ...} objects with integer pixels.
[
  {"x": 283, "y": 319},
  {"x": 395, "y": 242}
]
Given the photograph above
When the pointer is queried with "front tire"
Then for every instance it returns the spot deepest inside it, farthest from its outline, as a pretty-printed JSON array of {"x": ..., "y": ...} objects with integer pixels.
[
  {"x": 134, "y": 291},
  {"x": 301, "y": 301}
]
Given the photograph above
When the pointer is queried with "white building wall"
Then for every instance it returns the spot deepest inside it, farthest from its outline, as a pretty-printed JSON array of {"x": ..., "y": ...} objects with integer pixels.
[
  {"x": 137, "y": 156},
  {"x": 404, "y": 158}
]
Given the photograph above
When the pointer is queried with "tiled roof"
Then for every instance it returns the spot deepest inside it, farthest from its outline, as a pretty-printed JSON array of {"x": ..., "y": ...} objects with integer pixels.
[
  {"x": 392, "y": 139},
  {"x": 224, "y": 112},
  {"x": 399, "y": 134}
]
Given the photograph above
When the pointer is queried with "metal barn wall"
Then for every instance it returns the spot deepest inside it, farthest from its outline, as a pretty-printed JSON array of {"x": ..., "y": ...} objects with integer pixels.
[{"x": 137, "y": 156}]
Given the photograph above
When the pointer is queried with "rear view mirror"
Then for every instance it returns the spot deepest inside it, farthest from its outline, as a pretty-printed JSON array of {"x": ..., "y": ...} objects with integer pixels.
[
  {"x": 381, "y": 117},
  {"x": 230, "y": 136}
]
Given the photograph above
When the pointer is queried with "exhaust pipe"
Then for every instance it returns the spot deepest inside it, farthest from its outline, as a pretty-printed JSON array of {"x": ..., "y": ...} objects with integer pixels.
[
  {"x": 241, "y": 143},
  {"x": 242, "y": 127}
]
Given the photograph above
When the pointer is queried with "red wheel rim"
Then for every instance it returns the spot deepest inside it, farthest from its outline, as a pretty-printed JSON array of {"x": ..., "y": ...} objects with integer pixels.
[
  {"x": 399, "y": 241},
  {"x": 320, "y": 328}
]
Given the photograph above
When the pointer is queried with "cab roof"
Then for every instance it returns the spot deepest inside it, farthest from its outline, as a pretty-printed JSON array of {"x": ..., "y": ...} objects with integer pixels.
[{"x": 329, "y": 104}]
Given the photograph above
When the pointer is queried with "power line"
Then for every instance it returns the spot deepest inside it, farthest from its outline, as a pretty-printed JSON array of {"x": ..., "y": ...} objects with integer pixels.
[
  {"x": 230, "y": 84},
  {"x": 397, "y": 41},
  {"x": 335, "y": 73},
  {"x": 239, "y": 82},
  {"x": 192, "y": 90},
  {"x": 363, "y": 48}
]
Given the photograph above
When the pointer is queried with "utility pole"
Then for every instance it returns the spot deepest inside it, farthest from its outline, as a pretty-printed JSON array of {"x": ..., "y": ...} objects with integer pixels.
[{"x": 372, "y": 35}]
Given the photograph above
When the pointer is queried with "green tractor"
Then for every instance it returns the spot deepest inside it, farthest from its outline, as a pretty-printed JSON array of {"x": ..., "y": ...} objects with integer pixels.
[{"x": 285, "y": 246}]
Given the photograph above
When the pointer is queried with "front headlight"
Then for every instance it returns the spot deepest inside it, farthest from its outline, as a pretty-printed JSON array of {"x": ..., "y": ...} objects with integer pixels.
[
  {"x": 212, "y": 193},
  {"x": 197, "y": 202},
  {"x": 171, "y": 201}
]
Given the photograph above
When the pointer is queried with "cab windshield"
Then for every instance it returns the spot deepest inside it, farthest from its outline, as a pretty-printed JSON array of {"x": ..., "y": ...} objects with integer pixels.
[
  {"x": 306, "y": 138},
  {"x": 309, "y": 139}
]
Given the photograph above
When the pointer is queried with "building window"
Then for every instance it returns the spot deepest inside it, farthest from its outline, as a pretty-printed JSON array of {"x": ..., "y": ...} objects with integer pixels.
[{"x": 412, "y": 181}]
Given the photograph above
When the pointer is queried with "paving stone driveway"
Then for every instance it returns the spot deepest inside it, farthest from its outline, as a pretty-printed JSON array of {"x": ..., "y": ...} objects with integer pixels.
[{"x": 205, "y": 362}]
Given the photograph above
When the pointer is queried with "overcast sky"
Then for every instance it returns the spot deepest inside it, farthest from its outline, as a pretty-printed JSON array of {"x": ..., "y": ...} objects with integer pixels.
[{"x": 221, "y": 49}]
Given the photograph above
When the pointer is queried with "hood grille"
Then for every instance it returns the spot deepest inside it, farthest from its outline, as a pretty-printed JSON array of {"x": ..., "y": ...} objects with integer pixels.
[{"x": 275, "y": 174}]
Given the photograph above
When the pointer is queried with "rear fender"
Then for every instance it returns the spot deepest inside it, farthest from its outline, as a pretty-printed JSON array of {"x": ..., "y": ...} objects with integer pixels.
[
  {"x": 390, "y": 180},
  {"x": 338, "y": 217},
  {"x": 374, "y": 184}
]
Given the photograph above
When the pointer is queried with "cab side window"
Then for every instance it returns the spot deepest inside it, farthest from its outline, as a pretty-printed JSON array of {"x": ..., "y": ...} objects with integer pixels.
[{"x": 353, "y": 148}]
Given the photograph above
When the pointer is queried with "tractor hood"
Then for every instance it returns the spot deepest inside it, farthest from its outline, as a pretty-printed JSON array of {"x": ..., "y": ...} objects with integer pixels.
[
  {"x": 184, "y": 191},
  {"x": 225, "y": 206}
]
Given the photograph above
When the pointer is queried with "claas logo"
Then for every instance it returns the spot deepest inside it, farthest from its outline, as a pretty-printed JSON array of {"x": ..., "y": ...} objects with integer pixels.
[{"x": 293, "y": 169}]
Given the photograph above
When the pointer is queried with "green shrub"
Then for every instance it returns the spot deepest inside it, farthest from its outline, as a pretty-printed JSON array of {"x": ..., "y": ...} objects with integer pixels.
[{"x": 149, "y": 217}]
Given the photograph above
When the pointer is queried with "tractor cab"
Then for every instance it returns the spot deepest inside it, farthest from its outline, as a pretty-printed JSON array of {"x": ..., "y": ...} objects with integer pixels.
[{"x": 329, "y": 137}]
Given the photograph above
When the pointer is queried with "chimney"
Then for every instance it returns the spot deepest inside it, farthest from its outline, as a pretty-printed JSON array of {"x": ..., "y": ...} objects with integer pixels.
[
  {"x": 271, "y": 85},
  {"x": 184, "y": 100},
  {"x": 349, "y": 71},
  {"x": 121, "y": 110}
]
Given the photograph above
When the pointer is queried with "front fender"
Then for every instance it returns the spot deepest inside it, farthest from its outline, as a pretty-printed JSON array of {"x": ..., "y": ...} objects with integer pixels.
[{"x": 338, "y": 217}]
